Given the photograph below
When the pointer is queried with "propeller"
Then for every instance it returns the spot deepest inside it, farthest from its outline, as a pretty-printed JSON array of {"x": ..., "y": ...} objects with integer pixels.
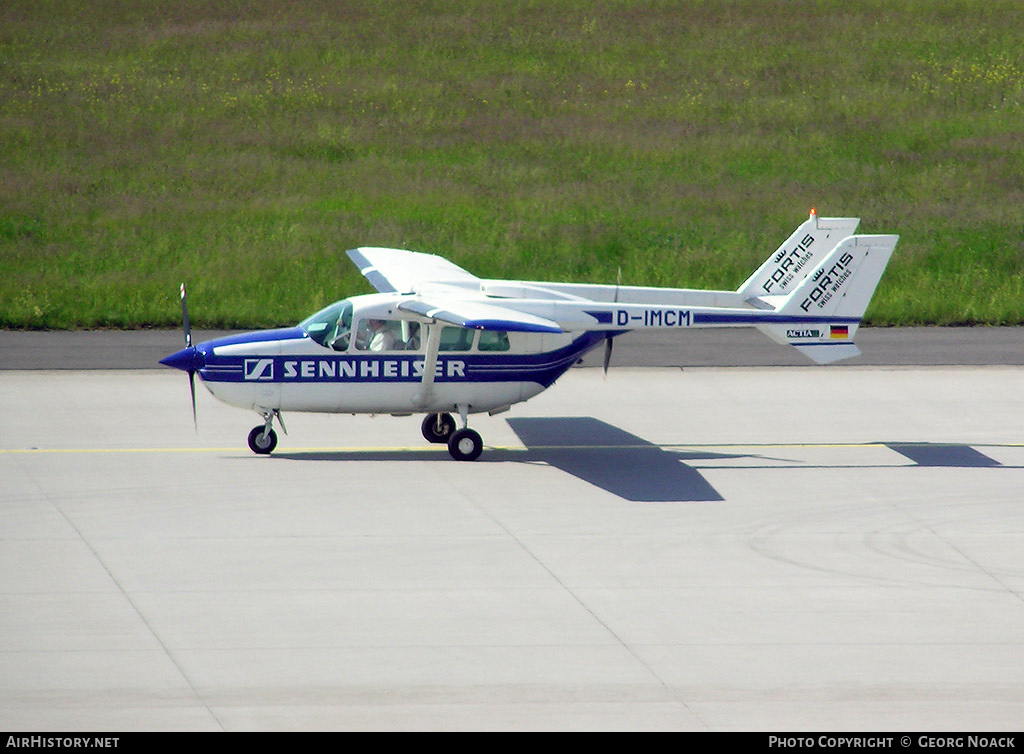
[
  {"x": 189, "y": 359},
  {"x": 188, "y": 344},
  {"x": 608, "y": 341}
]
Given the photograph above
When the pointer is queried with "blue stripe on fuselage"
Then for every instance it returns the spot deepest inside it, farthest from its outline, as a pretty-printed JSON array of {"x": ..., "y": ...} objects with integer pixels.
[
  {"x": 764, "y": 318},
  {"x": 541, "y": 368}
]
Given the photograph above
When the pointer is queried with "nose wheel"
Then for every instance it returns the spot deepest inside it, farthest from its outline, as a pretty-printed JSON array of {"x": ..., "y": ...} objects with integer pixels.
[{"x": 263, "y": 438}]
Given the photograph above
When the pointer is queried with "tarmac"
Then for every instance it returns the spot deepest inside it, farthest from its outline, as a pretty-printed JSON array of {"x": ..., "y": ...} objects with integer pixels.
[{"x": 780, "y": 548}]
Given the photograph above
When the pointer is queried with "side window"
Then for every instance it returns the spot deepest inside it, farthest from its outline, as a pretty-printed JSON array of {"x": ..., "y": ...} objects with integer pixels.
[
  {"x": 493, "y": 340},
  {"x": 456, "y": 339},
  {"x": 387, "y": 335},
  {"x": 409, "y": 335}
]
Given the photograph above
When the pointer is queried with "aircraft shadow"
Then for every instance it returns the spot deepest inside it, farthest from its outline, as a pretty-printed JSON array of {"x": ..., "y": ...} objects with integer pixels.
[
  {"x": 631, "y": 467},
  {"x": 591, "y": 450},
  {"x": 943, "y": 454},
  {"x": 615, "y": 460}
]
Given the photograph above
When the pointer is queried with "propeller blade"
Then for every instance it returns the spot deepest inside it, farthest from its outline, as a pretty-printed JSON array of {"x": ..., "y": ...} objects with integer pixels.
[
  {"x": 184, "y": 318},
  {"x": 192, "y": 389},
  {"x": 188, "y": 359},
  {"x": 608, "y": 341}
]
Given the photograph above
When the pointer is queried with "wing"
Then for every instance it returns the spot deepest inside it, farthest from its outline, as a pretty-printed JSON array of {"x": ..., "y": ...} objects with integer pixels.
[
  {"x": 400, "y": 271},
  {"x": 480, "y": 316}
]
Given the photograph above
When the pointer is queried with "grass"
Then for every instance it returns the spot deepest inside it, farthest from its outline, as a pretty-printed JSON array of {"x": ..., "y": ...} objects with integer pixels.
[{"x": 243, "y": 146}]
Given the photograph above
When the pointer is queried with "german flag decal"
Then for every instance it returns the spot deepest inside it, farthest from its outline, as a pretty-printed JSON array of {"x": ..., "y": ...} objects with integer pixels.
[{"x": 839, "y": 331}]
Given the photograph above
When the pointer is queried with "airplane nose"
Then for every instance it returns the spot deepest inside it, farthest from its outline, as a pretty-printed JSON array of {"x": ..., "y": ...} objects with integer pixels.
[{"x": 187, "y": 360}]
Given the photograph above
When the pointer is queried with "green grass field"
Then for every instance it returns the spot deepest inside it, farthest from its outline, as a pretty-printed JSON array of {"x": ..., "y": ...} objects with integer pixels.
[{"x": 244, "y": 146}]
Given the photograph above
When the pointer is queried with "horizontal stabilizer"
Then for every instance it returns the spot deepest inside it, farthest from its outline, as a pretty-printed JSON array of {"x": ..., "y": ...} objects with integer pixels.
[
  {"x": 821, "y": 342},
  {"x": 826, "y": 353}
]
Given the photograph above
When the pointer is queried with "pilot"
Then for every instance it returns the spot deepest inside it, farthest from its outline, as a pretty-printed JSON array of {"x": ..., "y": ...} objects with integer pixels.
[{"x": 381, "y": 336}]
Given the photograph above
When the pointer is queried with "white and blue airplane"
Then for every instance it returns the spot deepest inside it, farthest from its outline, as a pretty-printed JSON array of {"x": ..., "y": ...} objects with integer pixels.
[{"x": 440, "y": 341}]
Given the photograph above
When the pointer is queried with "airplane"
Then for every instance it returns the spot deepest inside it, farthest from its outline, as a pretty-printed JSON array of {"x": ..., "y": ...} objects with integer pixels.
[{"x": 436, "y": 339}]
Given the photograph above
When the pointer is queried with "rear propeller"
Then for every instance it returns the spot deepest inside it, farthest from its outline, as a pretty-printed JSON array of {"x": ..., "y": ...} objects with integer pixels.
[{"x": 608, "y": 340}]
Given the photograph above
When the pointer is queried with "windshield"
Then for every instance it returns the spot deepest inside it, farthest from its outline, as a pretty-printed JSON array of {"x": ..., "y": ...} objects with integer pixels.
[{"x": 331, "y": 326}]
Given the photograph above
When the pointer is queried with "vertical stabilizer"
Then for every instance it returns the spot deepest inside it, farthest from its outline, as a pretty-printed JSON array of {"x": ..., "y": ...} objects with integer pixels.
[
  {"x": 821, "y": 315},
  {"x": 796, "y": 257}
]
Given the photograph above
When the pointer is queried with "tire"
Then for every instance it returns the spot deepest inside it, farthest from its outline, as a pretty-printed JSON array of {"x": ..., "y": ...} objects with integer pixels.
[
  {"x": 431, "y": 433},
  {"x": 262, "y": 443},
  {"x": 465, "y": 445}
]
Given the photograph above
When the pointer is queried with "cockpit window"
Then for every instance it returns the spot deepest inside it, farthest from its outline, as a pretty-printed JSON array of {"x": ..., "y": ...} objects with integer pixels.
[{"x": 332, "y": 326}]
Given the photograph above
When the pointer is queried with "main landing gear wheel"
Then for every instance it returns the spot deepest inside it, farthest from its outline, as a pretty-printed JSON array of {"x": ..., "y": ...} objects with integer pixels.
[
  {"x": 262, "y": 440},
  {"x": 437, "y": 428},
  {"x": 465, "y": 445}
]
